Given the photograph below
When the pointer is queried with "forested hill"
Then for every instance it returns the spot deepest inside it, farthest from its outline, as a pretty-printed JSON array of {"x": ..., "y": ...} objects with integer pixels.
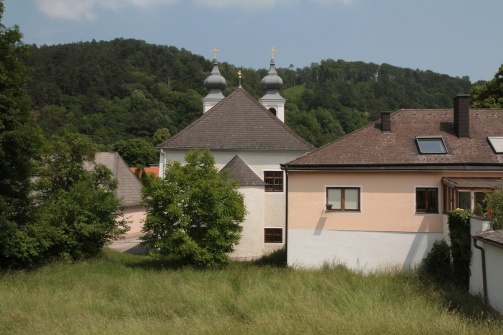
[{"x": 128, "y": 88}]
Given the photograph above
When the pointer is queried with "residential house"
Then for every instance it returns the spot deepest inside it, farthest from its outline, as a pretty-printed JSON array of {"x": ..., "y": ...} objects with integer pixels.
[
  {"x": 249, "y": 139},
  {"x": 376, "y": 197}
]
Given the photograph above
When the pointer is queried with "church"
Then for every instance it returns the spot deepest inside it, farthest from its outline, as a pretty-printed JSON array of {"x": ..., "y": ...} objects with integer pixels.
[{"x": 247, "y": 137}]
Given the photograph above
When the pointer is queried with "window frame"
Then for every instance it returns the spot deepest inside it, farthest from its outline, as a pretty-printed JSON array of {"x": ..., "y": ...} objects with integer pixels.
[
  {"x": 496, "y": 143},
  {"x": 275, "y": 177},
  {"x": 343, "y": 202},
  {"x": 274, "y": 235},
  {"x": 431, "y": 138},
  {"x": 437, "y": 200}
]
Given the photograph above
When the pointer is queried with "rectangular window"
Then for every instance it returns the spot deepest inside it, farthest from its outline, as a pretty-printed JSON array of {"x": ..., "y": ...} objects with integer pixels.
[
  {"x": 273, "y": 235},
  {"x": 426, "y": 200},
  {"x": 273, "y": 181},
  {"x": 343, "y": 199},
  {"x": 431, "y": 145}
]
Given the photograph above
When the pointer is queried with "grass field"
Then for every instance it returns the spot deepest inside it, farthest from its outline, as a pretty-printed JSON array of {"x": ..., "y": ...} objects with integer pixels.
[{"x": 128, "y": 294}]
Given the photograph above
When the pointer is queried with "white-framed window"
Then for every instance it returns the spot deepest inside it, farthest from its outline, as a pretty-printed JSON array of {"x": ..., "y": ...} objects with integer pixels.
[
  {"x": 427, "y": 200},
  {"x": 340, "y": 198}
]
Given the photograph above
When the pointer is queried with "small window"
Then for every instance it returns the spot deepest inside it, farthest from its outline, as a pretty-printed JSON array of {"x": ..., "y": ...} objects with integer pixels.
[
  {"x": 496, "y": 143},
  {"x": 273, "y": 181},
  {"x": 273, "y": 111},
  {"x": 273, "y": 235},
  {"x": 426, "y": 200},
  {"x": 343, "y": 199},
  {"x": 431, "y": 145}
]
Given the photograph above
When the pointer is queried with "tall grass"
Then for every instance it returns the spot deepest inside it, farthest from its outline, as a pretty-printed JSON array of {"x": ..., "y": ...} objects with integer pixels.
[{"x": 128, "y": 294}]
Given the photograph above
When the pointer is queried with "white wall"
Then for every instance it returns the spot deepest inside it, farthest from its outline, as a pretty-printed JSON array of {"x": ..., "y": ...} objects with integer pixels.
[
  {"x": 494, "y": 267},
  {"x": 252, "y": 238},
  {"x": 358, "y": 250}
]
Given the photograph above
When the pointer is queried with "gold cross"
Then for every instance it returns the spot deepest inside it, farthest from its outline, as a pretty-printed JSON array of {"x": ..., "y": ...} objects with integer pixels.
[
  {"x": 215, "y": 52},
  {"x": 273, "y": 51}
]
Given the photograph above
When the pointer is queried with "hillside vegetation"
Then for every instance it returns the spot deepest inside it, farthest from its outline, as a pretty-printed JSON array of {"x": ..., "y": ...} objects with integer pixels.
[{"x": 125, "y": 88}]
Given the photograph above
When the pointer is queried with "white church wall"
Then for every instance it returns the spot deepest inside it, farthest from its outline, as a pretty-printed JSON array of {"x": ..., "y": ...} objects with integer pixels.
[{"x": 252, "y": 238}]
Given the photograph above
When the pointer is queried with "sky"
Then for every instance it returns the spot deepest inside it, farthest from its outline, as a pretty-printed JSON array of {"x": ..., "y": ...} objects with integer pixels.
[{"x": 454, "y": 37}]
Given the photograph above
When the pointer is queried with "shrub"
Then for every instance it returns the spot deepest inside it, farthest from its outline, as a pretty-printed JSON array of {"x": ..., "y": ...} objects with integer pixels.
[
  {"x": 459, "y": 233},
  {"x": 437, "y": 264}
]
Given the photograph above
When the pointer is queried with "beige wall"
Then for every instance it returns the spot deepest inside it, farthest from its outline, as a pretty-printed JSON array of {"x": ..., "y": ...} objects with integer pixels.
[
  {"x": 135, "y": 216},
  {"x": 387, "y": 200}
]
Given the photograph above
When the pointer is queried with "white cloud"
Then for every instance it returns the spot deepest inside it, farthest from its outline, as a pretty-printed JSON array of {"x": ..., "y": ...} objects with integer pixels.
[
  {"x": 240, "y": 4},
  {"x": 82, "y": 10},
  {"x": 331, "y": 2},
  {"x": 85, "y": 10}
]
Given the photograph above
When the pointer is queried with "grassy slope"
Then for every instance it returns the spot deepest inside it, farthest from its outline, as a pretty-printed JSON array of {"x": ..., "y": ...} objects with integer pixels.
[{"x": 126, "y": 294}]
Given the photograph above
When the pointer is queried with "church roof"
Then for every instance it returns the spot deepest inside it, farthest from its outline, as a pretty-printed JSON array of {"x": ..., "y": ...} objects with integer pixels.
[
  {"x": 241, "y": 172},
  {"x": 238, "y": 122}
]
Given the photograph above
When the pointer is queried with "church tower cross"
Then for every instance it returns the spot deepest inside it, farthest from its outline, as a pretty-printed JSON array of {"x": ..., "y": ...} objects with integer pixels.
[
  {"x": 272, "y": 51},
  {"x": 215, "y": 52}
]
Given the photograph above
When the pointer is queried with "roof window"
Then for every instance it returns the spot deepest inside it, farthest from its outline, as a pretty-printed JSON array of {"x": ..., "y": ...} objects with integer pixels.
[
  {"x": 496, "y": 143},
  {"x": 431, "y": 145}
]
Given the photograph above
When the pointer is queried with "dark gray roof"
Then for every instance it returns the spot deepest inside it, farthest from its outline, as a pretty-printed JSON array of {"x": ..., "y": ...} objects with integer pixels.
[
  {"x": 494, "y": 237},
  {"x": 129, "y": 187},
  {"x": 370, "y": 147},
  {"x": 241, "y": 172},
  {"x": 238, "y": 122}
]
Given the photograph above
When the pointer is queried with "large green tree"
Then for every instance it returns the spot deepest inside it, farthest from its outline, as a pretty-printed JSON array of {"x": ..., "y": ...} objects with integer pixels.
[
  {"x": 489, "y": 95},
  {"x": 195, "y": 212},
  {"x": 78, "y": 209},
  {"x": 20, "y": 140}
]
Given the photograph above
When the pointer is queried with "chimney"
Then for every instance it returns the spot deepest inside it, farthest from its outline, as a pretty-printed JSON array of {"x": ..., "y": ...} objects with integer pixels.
[
  {"x": 386, "y": 121},
  {"x": 462, "y": 115}
]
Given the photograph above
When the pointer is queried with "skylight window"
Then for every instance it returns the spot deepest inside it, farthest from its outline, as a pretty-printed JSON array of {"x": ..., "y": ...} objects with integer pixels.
[
  {"x": 496, "y": 143},
  {"x": 431, "y": 145}
]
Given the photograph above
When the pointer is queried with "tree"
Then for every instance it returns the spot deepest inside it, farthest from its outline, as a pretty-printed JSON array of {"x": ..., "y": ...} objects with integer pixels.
[
  {"x": 78, "y": 209},
  {"x": 194, "y": 212},
  {"x": 495, "y": 202},
  {"x": 20, "y": 140},
  {"x": 136, "y": 152},
  {"x": 489, "y": 95},
  {"x": 161, "y": 135}
]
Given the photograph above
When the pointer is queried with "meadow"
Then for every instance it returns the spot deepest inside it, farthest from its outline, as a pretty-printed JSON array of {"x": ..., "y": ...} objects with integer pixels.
[{"x": 131, "y": 294}]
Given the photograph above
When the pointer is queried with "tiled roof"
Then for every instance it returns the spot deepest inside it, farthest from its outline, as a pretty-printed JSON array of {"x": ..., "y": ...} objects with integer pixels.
[
  {"x": 241, "y": 172},
  {"x": 129, "y": 187},
  {"x": 238, "y": 122},
  {"x": 371, "y": 147}
]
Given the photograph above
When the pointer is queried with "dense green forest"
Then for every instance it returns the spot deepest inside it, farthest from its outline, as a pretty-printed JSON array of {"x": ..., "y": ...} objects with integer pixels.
[{"x": 124, "y": 89}]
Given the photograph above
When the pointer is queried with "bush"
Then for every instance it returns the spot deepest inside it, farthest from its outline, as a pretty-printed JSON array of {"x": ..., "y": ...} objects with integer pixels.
[
  {"x": 459, "y": 233},
  {"x": 437, "y": 264},
  {"x": 195, "y": 212}
]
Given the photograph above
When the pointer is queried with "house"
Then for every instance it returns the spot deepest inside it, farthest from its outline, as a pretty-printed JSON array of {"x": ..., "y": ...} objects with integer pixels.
[
  {"x": 486, "y": 267},
  {"x": 128, "y": 190},
  {"x": 248, "y": 138},
  {"x": 376, "y": 197}
]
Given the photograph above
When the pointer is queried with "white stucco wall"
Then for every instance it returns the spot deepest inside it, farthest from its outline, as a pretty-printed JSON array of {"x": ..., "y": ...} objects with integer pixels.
[
  {"x": 358, "y": 250},
  {"x": 494, "y": 267},
  {"x": 252, "y": 241}
]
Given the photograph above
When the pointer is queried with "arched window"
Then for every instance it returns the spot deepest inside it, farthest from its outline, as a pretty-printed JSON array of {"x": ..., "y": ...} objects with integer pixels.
[{"x": 273, "y": 111}]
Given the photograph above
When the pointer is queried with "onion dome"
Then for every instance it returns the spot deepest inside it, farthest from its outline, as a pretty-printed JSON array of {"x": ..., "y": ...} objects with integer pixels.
[
  {"x": 215, "y": 81},
  {"x": 272, "y": 81}
]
